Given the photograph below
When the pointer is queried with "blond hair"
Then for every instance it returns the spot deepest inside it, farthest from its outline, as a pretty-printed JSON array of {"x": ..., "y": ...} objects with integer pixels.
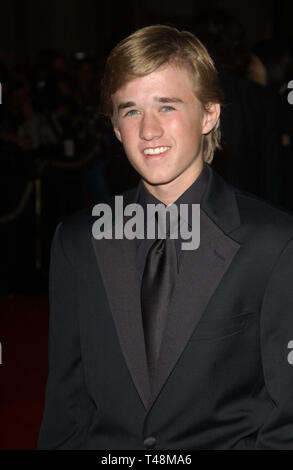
[{"x": 145, "y": 51}]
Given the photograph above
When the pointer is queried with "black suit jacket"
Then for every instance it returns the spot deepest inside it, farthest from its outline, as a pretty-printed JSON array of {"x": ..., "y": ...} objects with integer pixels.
[{"x": 223, "y": 380}]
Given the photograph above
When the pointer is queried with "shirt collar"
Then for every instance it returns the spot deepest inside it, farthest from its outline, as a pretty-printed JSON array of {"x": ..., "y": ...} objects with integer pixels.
[{"x": 191, "y": 195}]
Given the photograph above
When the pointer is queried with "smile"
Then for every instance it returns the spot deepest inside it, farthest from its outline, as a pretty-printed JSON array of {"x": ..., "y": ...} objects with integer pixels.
[{"x": 155, "y": 151}]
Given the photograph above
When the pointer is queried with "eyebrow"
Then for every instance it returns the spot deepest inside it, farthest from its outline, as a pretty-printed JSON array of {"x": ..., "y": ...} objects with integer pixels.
[
  {"x": 169, "y": 100},
  {"x": 130, "y": 104}
]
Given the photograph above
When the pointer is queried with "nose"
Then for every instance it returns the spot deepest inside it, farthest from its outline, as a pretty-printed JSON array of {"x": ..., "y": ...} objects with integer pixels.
[{"x": 150, "y": 127}]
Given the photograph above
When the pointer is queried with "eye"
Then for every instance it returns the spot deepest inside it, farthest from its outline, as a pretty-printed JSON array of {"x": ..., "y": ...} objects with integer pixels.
[
  {"x": 132, "y": 112},
  {"x": 167, "y": 108}
]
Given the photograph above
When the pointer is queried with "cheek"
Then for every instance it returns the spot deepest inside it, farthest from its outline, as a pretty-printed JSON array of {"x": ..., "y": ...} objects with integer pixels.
[
  {"x": 127, "y": 133},
  {"x": 179, "y": 127},
  {"x": 186, "y": 126}
]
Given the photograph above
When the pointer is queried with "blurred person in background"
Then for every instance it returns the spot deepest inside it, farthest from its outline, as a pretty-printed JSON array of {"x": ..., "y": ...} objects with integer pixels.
[
  {"x": 271, "y": 66},
  {"x": 249, "y": 120}
]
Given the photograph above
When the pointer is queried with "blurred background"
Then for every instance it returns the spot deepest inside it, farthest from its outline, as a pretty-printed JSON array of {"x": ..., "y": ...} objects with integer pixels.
[{"x": 59, "y": 155}]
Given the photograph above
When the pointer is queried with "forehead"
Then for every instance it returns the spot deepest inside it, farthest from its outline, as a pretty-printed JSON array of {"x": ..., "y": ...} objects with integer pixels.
[{"x": 166, "y": 79}]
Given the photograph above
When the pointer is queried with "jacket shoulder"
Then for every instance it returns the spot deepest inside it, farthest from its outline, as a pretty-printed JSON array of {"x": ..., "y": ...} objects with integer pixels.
[
  {"x": 77, "y": 227},
  {"x": 273, "y": 223}
]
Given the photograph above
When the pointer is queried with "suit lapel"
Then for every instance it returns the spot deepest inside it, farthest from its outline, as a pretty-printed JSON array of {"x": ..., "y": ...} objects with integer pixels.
[
  {"x": 117, "y": 262},
  {"x": 200, "y": 274}
]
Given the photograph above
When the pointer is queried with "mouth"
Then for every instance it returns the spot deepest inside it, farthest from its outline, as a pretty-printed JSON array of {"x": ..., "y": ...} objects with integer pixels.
[{"x": 155, "y": 151}]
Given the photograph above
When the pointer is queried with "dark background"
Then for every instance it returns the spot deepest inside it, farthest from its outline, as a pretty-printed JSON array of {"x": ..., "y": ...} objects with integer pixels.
[{"x": 92, "y": 26}]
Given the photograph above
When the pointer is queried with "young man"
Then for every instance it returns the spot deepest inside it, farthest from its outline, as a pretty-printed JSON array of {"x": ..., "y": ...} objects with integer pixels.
[{"x": 174, "y": 348}]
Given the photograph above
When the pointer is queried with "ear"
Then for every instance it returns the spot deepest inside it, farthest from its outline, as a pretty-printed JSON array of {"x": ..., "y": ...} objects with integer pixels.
[
  {"x": 116, "y": 127},
  {"x": 117, "y": 133},
  {"x": 211, "y": 116}
]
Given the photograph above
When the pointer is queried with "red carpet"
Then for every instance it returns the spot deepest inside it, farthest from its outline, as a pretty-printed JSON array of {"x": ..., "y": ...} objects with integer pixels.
[{"x": 23, "y": 372}]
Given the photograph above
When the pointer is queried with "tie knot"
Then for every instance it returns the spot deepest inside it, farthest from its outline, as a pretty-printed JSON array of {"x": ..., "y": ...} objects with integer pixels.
[{"x": 167, "y": 223}]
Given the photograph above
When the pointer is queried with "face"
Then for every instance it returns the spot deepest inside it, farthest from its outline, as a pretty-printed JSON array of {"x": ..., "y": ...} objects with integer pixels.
[{"x": 161, "y": 124}]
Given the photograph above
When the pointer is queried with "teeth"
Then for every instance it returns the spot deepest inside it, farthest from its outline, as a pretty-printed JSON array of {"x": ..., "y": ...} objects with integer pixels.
[{"x": 155, "y": 151}]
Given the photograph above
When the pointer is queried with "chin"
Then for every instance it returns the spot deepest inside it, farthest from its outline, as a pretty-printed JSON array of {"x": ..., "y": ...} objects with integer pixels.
[{"x": 157, "y": 181}]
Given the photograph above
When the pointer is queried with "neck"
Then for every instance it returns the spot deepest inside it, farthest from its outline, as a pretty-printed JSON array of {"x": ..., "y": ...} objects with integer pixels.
[{"x": 170, "y": 192}]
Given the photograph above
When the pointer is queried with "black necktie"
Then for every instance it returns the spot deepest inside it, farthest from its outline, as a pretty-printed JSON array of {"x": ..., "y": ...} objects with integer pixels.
[{"x": 156, "y": 290}]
